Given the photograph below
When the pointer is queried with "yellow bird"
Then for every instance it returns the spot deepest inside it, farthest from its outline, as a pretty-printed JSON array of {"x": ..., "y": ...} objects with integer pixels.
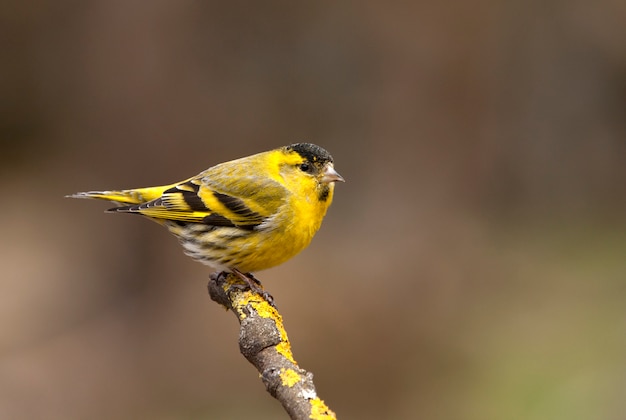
[{"x": 245, "y": 215}]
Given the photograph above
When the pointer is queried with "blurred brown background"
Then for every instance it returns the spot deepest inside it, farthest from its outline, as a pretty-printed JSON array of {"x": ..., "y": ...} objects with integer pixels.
[{"x": 471, "y": 267}]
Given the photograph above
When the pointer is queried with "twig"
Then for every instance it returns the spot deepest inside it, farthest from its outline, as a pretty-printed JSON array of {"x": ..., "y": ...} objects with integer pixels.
[{"x": 263, "y": 341}]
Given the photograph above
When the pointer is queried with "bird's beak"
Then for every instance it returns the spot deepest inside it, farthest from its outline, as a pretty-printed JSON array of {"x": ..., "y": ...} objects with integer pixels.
[{"x": 331, "y": 175}]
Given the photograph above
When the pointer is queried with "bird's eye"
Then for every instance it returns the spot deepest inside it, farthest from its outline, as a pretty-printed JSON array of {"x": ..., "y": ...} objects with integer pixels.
[{"x": 305, "y": 167}]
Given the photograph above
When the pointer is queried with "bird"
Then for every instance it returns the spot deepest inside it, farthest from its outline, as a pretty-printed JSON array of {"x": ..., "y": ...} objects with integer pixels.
[{"x": 244, "y": 215}]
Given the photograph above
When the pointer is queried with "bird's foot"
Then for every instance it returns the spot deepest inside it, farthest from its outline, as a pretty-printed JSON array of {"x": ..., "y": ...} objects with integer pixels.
[{"x": 251, "y": 283}]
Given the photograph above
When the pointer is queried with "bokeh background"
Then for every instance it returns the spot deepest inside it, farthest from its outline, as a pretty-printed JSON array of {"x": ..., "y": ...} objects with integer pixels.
[{"x": 473, "y": 266}]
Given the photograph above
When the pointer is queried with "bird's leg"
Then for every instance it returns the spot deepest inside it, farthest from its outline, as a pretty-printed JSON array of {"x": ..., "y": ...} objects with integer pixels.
[
  {"x": 254, "y": 279},
  {"x": 255, "y": 285},
  {"x": 220, "y": 278}
]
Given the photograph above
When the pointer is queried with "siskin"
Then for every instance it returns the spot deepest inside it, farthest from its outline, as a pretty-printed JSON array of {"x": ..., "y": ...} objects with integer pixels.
[{"x": 245, "y": 215}]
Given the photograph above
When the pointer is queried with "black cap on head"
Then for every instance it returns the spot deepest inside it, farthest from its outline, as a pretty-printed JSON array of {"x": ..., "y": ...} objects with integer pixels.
[{"x": 311, "y": 152}]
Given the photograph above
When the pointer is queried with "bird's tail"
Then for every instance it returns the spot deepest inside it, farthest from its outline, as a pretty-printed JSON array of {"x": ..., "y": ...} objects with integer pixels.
[{"x": 125, "y": 197}]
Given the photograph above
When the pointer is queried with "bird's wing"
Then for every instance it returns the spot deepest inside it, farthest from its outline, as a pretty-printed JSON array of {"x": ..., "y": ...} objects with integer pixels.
[
  {"x": 219, "y": 198},
  {"x": 241, "y": 192}
]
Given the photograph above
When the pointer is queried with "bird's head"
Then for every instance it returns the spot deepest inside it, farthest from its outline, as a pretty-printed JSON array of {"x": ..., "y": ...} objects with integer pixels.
[{"x": 309, "y": 168}]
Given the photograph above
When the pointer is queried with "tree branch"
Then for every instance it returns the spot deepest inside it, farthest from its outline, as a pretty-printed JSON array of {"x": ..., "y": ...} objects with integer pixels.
[{"x": 263, "y": 341}]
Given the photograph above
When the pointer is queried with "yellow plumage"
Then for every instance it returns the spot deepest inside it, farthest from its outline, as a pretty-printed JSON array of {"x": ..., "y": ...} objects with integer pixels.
[{"x": 245, "y": 215}]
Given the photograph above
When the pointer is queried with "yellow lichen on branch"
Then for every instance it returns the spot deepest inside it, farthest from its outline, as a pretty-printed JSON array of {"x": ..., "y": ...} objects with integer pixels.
[
  {"x": 263, "y": 341},
  {"x": 289, "y": 377}
]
